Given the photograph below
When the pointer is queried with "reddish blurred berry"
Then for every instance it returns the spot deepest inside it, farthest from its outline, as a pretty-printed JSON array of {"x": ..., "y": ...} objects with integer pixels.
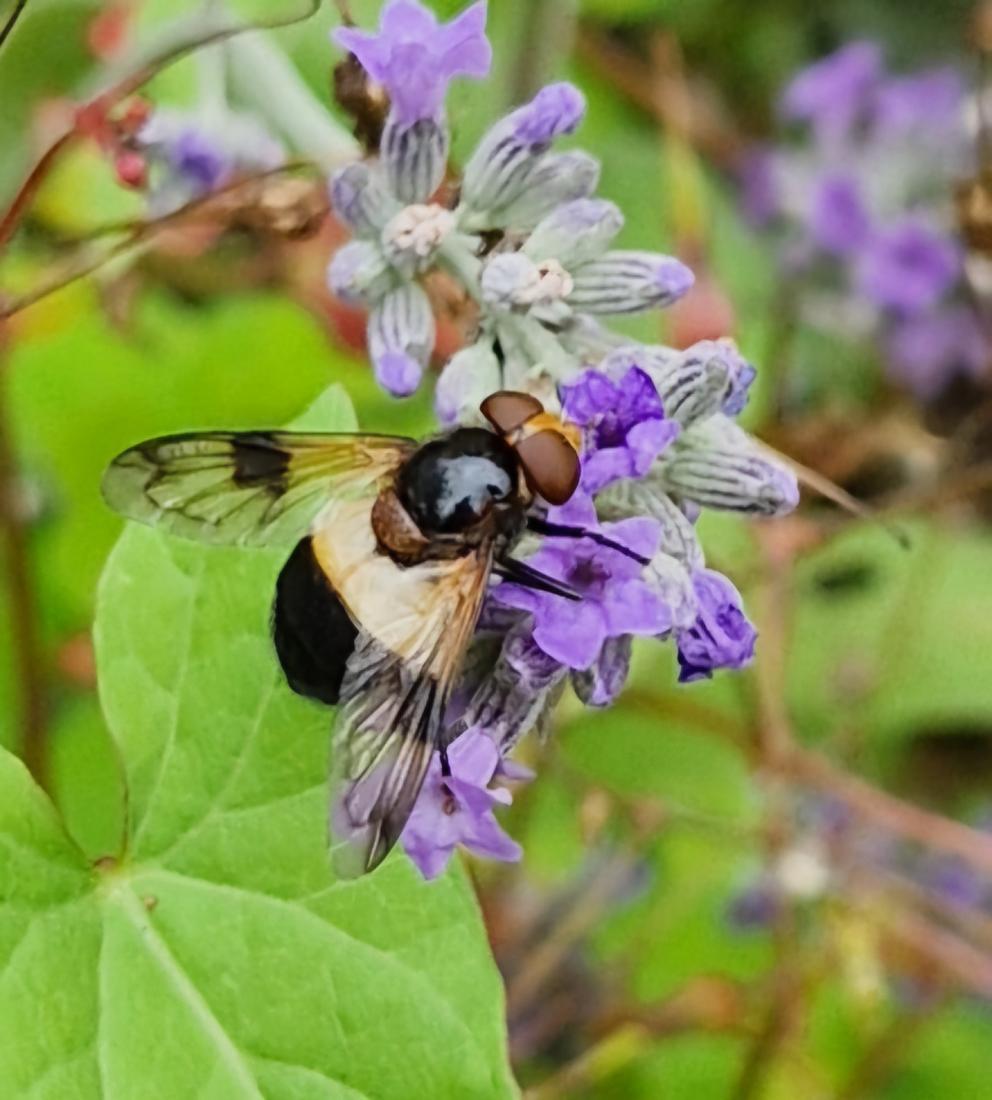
[{"x": 131, "y": 169}]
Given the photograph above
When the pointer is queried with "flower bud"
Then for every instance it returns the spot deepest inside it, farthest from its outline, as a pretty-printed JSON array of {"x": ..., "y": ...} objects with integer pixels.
[
  {"x": 359, "y": 273},
  {"x": 575, "y": 233},
  {"x": 414, "y": 157},
  {"x": 360, "y": 199},
  {"x": 693, "y": 384},
  {"x": 648, "y": 498},
  {"x": 469, "y": 378},
  {"x": 628, "y": 282},
  {"x": 557, "y": 178},
  {"x": 717, "y": 465},
  {"x": 401, "y": 337},
  {"x": 507, "y": 157},
  {"x": 599, "y": 685},
  {"x": 512, "y": 280},
  {"x": 670, "y": 578},
  {"x": 721, "y": 636}
]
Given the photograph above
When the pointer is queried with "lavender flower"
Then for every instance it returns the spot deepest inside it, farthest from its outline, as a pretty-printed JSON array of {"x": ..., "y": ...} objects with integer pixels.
[
  {"x": 559, "y": 269},
  {"x": 658, "y": 439},
  {"x": 832, "y": 94},
  {"x": 616, "y": 600},
  {"x": 908, "y": 267},
  {"x": 944, "y": 343},
  {"x": 721, "y": 636},
  {"x": 624, "y": 424},
  {"x": 859, "y": 215},
  {"x": 756, "y": 907},
  {"x": 457, "y": 809},
  {"x": 415, "y": 58},
  {"x": 839, "y": 222},
  {"x": 191, "y": 155}
]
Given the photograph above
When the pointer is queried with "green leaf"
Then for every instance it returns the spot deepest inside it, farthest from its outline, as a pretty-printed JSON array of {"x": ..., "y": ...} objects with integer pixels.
[
  {"x": 217, "y": 957},
  {"x": 893, "y": 641}
]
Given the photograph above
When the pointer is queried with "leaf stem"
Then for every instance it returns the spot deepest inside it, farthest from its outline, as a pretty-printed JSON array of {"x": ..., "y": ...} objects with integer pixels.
[{"x": 27, "y": 653}]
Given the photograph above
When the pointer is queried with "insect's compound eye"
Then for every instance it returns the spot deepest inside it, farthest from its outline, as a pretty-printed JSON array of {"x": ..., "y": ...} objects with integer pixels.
[
  {"x": 550, "y": 464},
  {"x": 509, "y": 410}
]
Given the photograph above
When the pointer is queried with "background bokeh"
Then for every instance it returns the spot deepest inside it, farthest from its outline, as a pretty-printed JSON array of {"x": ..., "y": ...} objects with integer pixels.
[{"x": 753, "y": 887}]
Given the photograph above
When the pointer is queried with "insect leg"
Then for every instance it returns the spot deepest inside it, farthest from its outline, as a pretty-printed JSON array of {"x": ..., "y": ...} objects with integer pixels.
[
  {"x": 558, "y": 530},
  {"x": 521, "y": 573}
]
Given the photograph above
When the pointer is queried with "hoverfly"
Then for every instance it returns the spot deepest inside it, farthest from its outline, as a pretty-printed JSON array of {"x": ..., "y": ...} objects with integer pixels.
[{"x": 395, "y": 542}]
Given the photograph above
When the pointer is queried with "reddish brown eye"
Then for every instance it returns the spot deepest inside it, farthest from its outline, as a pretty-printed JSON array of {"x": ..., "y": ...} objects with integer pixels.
[
  {"x": 550, "y": 465},
  {"x": 508, "y": 410}
]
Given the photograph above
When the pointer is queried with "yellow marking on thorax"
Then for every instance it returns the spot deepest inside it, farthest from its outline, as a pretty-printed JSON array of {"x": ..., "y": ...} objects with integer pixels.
[{"x": 546, "y": 422}]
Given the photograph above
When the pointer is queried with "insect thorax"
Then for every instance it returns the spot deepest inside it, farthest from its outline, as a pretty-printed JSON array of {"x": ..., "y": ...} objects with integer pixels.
[{"x": 453, "y": 494}]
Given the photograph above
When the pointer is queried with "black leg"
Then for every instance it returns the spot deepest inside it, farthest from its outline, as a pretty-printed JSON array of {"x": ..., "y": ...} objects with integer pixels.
[
  {"x": 521, "y": 573},
  {"x": 558, "y": 530}
]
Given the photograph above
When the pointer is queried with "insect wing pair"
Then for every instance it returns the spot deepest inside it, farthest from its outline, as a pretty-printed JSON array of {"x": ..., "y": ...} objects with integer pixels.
[{"x": 373, "y": 612}]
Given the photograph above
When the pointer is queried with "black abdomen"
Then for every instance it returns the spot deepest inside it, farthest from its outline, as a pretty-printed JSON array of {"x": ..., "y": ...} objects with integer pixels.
[{"x": 313, "y": 632}]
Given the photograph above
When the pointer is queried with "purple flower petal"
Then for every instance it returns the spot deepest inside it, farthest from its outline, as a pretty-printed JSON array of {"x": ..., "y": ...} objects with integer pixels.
[
  {"x": 415, "y": 58},
  {"x": 833, "y": 93},
  {"x": 909, "y": 267},
  {"x": 458, "y": 808},
  {"x": 571, "y": 633},
  {"x": 398, "y": 373},
  {"x": 838, "y": 219},
  {"x": 932, "y": 99},
  {"x": 927, "y": 352},
  {"x": 557, "y": 109},
  {"x": 721, "y": 636},
  {"x": 633, "y": 607}
]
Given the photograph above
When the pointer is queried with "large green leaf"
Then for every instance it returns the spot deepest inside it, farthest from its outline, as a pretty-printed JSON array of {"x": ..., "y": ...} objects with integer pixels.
[{"x": 215, "y": 956}]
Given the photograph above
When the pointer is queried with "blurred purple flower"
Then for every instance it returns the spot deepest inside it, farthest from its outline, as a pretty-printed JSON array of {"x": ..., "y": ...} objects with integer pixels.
[
  {"x": 623, "y": 422},
  {"x": 755, "y": 908},
  {"x": 199, "y": 160},
  {"x": 929, "y": 351},
  {"x": 835, "y": 93},
  {"x": 758, "y": 181},
  {"x": 615, "y": 600},
  {"x": 955, "y": 882},
  {"x": 932, "y": 99},
  {"x": 458, "y": 808},
  {"x": 908, "y": 267},
  {"x": 414, "y": 57},
  {"x": 838, "y": 219},
  {"x": 721, "y": 636}
]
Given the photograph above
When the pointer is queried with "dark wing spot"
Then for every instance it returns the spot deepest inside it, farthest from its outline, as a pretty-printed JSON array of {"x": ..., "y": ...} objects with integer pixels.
[
  {"x": 313, "y": 633},
  {"x": 258, "y": 460}
]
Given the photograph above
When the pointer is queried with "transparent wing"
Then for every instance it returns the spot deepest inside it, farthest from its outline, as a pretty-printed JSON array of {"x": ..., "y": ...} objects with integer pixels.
[
  {"x": 246, "y": 488},
  {"x": 415, "y": 625}
]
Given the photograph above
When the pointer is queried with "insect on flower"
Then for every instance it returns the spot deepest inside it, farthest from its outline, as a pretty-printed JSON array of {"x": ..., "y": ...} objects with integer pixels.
[{"x": 395, "y": 542}]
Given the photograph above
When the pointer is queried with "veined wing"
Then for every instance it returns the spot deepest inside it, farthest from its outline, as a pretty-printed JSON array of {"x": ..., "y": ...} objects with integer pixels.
[
  {"x": 247, "y": 488},
  {"x": 415, "y": 624}
]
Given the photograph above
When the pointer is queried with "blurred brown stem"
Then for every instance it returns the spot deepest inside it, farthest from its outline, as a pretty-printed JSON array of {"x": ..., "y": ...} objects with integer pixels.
[
  {"x": 912, "y": 822},
  {"x": 87, "y": 259},
  {"x": 23, "y": 198},
  {"x": 884, "y": 1055},
  {"x": 26, "y": 645}
]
